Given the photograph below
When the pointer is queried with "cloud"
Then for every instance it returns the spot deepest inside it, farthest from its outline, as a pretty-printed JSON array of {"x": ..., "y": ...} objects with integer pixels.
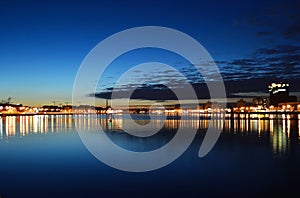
[
  {"x": 243, "y": 62},
  {"x": 246, "y": 88},
  {"x": 246, "y": 75},
  {"x": 250, "y": 94},
  {"x": 279, "y": 49}
]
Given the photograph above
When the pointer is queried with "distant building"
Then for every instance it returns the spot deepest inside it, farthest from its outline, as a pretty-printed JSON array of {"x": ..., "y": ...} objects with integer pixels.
[
  {"x": 279, "y": 93},
  {"x": 207, "y": 105},
  {"x": 50, "y": 108},
  {"x": 261, "y": 101},
  {"x": 10, "y": 108},
  {"x": 290, "y": 106},
  {"x": 241, "y": 103},
  {"x": 66, "y": 108}
]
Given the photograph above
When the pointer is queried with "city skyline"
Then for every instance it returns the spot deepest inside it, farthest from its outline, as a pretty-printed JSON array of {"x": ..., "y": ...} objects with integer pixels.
[
  {"x": 43, "y": 44},
  {"x": 279, "y": 101}
]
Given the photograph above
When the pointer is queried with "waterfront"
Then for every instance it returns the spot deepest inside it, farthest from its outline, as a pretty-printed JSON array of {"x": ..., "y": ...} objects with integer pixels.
[{"x": 42, "y": 156}]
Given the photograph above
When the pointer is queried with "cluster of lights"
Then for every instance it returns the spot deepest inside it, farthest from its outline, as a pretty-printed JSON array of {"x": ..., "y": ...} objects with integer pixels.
[
  {"x": 84, "y": 111},
  {"x": 278, "y": 87},
  {"x": 259, "y": 108},
  {"x": 283, "y": 108},
  {"x": 47, "y": 109},
  {"x": 17, "y": 110}
]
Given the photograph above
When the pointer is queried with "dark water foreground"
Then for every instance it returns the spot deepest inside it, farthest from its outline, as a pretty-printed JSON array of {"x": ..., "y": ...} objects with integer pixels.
[{"x": 43, "y": 156}]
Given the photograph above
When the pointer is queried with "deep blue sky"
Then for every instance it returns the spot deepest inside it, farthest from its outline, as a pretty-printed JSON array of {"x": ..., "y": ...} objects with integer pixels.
[{"x": 42, "y": 43}]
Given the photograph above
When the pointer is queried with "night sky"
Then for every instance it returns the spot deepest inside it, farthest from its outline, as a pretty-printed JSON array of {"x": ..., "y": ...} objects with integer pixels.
[{"x": 43, "y": 43}]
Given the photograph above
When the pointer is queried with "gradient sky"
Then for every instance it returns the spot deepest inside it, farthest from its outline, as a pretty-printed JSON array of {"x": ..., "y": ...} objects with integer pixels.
[{"x": 42, "y": 43}]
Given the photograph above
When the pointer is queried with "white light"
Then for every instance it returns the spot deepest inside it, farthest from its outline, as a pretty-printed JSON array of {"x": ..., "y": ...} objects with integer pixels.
[{"x": 281, "y": 89}]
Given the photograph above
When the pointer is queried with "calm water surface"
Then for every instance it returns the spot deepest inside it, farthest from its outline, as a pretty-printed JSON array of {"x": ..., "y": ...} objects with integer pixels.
[{"x": 43, "y": 156}]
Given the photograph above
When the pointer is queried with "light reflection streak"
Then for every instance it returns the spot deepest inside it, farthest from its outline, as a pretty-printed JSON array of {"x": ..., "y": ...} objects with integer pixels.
[
  {"x": 35, "y": 124},
  {"x": 1, "y": 128},
  {"x": 10, "y": 126},
  {"x": 288, "y": 127},
  {"x": 42, "y": 123},
  {"x": 52, "y": 123},
  {"x": 271, "y": 126},
  {"x": 259, "y": 128},
  {"x": 27, "y": 124},
  {"x": 22, "y": 126},
  {"x": 299, "y": 126},
  {"x": 279, "y": 140},
  {"x": 283, "y": 125}
]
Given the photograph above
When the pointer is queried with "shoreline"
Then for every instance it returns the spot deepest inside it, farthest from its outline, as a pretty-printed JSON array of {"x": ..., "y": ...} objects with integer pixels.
[{"x": 171, "y": 114}]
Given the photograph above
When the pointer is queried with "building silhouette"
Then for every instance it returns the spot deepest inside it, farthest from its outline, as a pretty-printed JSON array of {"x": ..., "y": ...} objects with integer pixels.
[
  {"x": 261, "y": 101},
  {"x": 279, "y": 93},
  {"x": 241, "y": 103}
]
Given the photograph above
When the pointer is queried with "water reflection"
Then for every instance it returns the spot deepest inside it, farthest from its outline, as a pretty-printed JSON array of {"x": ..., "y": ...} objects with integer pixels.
[
  {"x": 278, "y": 130},
  {"x": 12, "y": 126}
]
